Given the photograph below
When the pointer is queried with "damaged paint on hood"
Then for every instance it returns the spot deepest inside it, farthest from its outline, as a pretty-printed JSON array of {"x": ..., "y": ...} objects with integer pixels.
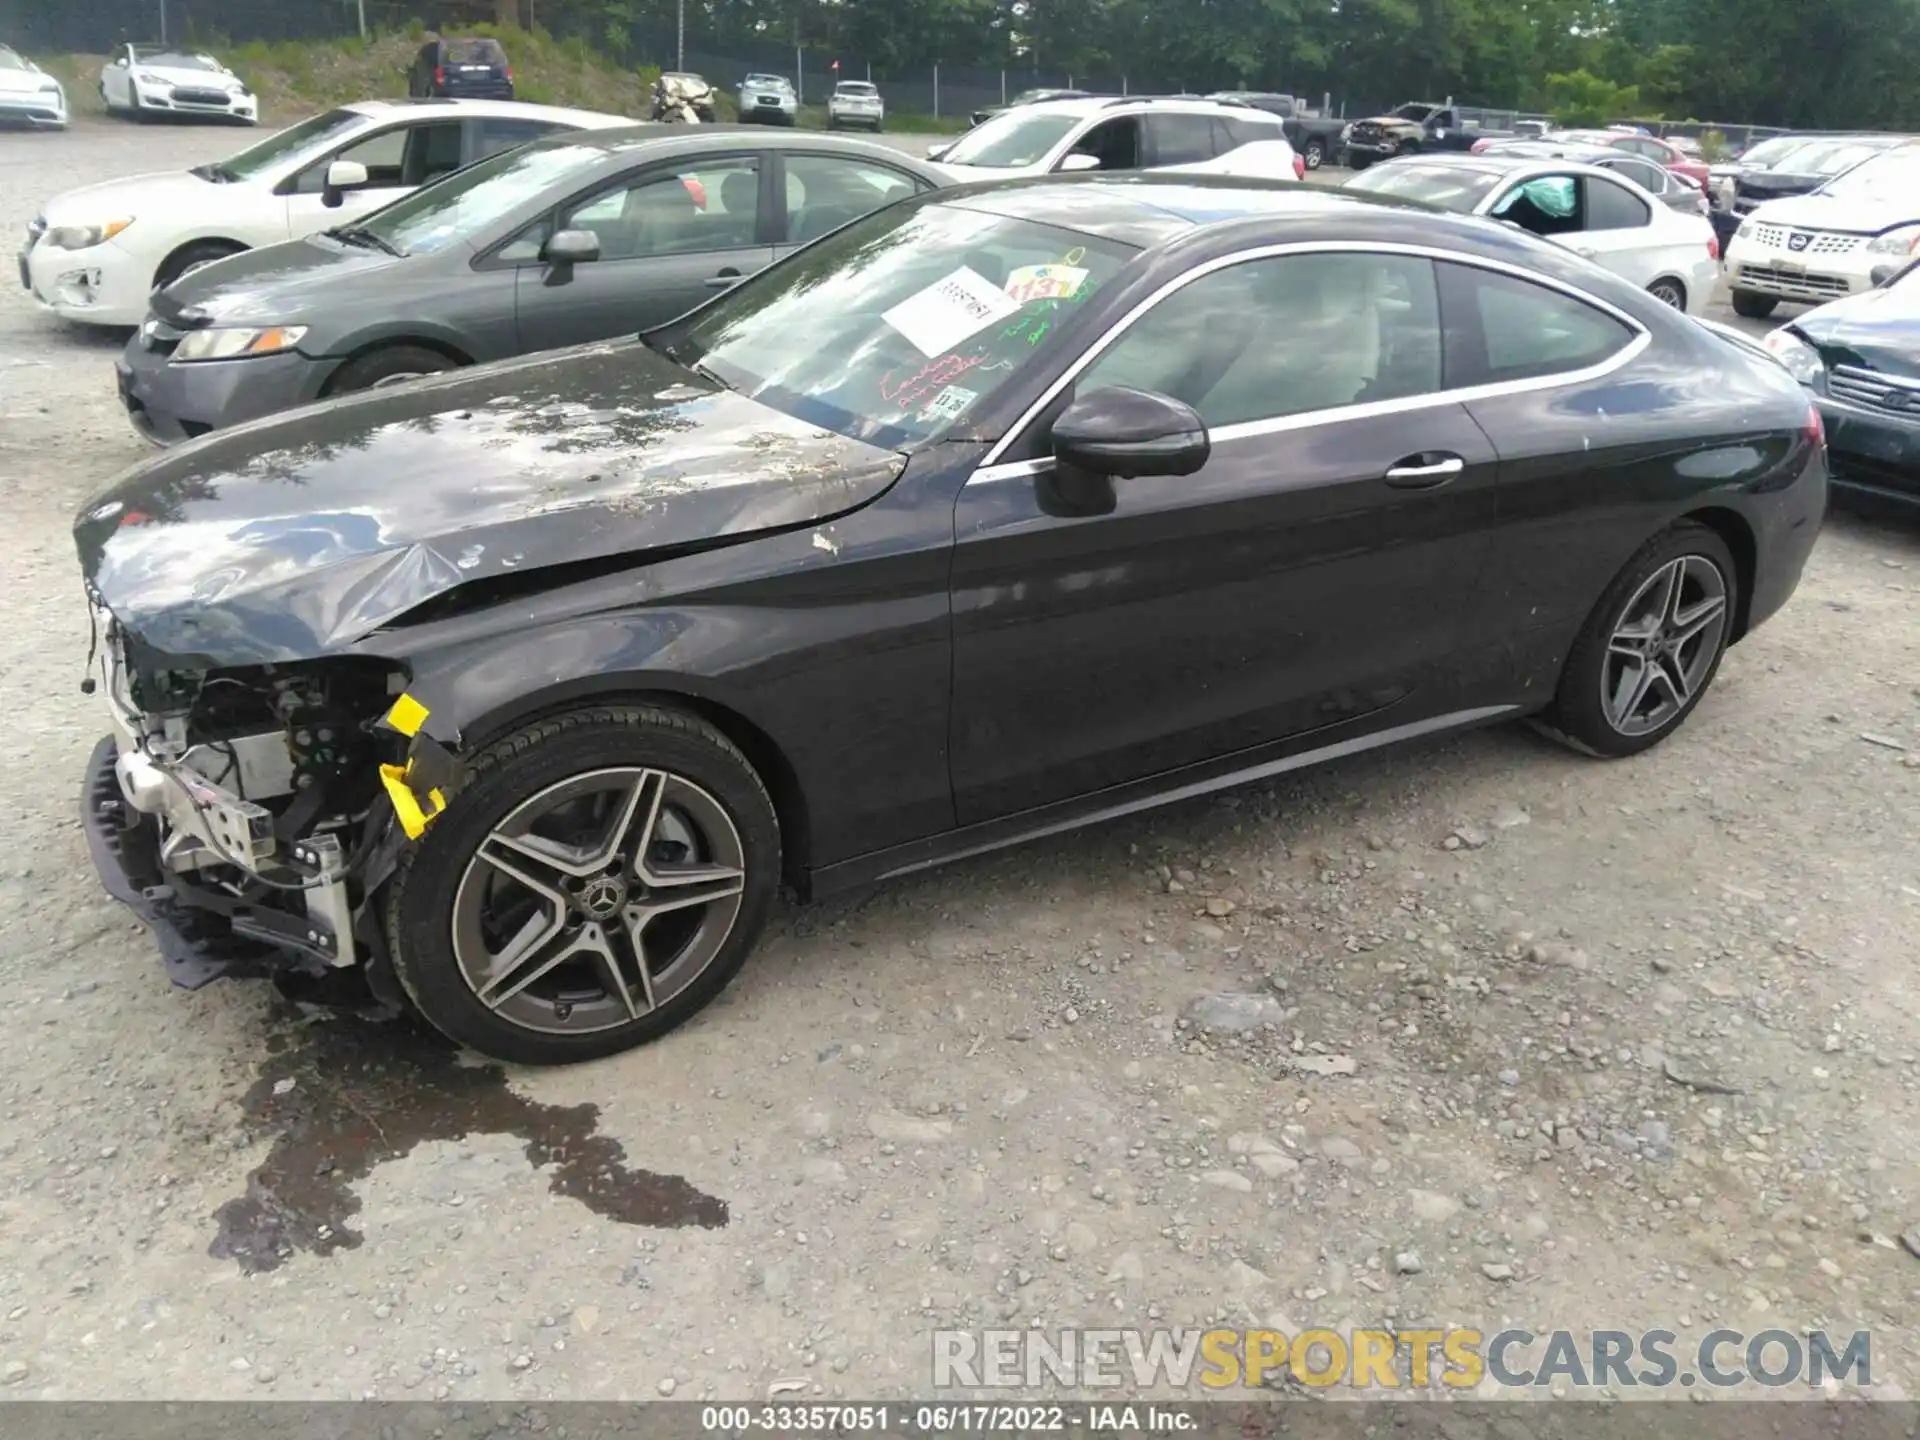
[{"x": 294, "y": 536}]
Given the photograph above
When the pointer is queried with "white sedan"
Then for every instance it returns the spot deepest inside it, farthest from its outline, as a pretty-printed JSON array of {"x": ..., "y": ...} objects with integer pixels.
[
  {"x": 1596, "y": 213},
  {"x": 1046, "y": 137},
  {"x": 94, "y": 255},
  {"x": 142, "y": 80},
  {"x": 29, "y": 95}
]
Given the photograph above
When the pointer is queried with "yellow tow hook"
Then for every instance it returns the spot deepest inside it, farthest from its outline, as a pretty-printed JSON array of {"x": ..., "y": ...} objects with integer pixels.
[{"x": 424, "y": 758}]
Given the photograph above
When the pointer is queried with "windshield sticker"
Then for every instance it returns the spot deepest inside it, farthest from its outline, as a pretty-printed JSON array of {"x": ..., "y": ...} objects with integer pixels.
[
  {"x": 949, "y": 405},
  {"x": 913, "y": 390},
  {"x": 950, "y": 311},
  {"x": 1045, "y": 282}
]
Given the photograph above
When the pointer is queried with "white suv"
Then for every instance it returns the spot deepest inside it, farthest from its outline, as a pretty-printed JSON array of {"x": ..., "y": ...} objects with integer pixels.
[
  {"x": 856, "y": 103},
  {"x": 1139, "y": 133},
  {"x": 1826, "y": 246},
  {"x": 94, "y": 255}
]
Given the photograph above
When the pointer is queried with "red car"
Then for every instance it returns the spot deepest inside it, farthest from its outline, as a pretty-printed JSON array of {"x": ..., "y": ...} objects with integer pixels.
[{"x": 1648, "y": 147}]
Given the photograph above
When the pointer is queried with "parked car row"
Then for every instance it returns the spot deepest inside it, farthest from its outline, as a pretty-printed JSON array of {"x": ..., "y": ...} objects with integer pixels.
[{"x": 632, "y": 521}]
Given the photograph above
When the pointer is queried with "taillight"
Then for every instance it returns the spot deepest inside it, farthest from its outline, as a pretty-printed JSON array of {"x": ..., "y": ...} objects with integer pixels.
[
  {"x": 1299, "y": 168},
  {"x": 1713, "y": 247},
  {"x": 507, "y": 71},
  {"x": 1479, "y": 145},
  {"x": 439, "y": 74}
]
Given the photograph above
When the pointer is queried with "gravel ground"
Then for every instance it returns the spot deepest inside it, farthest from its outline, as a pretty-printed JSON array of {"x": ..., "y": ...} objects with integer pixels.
[{"x": 1484, "y": 971}]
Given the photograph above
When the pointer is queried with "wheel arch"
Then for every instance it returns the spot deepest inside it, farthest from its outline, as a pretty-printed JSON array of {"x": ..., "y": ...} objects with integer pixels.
[
  {"x": 223, "y": 240},
  {"x": 1733, "y": 528},
  {"x": 1673, "y": 277},
  {"x": 763, "y": 752},
  {"x": 368, "y": 345}
]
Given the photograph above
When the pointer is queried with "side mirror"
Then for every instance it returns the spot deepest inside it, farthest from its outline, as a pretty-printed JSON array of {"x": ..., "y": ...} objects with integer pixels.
[
  {"x": 1881, "y": 275},
  {"x": 1079, "y": 160},
  {"x": 571, "y": 247},
  {"x": 342, "y": 176},
  {"x": 934, "y": 152},
  {"x": 1129, "y": 433}
]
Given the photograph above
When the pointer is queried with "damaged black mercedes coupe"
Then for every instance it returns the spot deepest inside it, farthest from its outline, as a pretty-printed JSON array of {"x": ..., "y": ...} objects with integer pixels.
[{"x": 519, "y": 692}]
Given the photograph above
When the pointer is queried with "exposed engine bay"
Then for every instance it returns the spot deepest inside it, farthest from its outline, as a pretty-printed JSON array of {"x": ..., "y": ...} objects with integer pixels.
[{"x": 253, "y": 797}]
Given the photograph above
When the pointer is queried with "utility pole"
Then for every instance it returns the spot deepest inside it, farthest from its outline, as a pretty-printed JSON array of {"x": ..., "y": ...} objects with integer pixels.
[
  {"x": 163, "y": 22},
  {"x": 362, "y": 5}
]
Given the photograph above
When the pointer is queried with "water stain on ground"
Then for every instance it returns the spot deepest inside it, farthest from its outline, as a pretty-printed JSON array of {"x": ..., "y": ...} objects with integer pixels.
[{"x": 346, "y": 1095}]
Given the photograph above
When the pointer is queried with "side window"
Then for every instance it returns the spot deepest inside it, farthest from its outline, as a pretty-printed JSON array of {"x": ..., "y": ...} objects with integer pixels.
[
  {"x": 1244, "y": 130},
  {"x": 384, "y": 154},
  {"x": 714, "y": 208},
  {"x": 1285, "y": 336},
  {"x": 432, "y": 151},
  {"x": 1614, "y": 207},
  {"x": 1114, "y": 143},
  {"x": 825, "y": 192},
  {"x": 1520, "y": 330},
  {"x": 1446, "y": 120},
  {"x": 1546, "y": 205},
  {"x": 1180, "y": 139},
  {"x": 498, "y": 133}
]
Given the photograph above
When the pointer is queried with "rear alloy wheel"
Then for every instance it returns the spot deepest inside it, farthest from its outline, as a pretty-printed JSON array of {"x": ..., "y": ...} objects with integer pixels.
[
  {"x": 1315, "y": 154},
  {"x": 601, "y": 879},
  {"x": 1752, "y": 306},
  {"x": 1651, "y": 647},
  {"x": 1669, "y": 292}
]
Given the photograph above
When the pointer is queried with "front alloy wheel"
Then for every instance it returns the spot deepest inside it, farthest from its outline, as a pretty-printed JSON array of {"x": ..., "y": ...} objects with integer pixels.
[
  {"x": 598, "y": 900},
  {"x": 602, "y": 876},
  {"x": 1651, "y": 647}
]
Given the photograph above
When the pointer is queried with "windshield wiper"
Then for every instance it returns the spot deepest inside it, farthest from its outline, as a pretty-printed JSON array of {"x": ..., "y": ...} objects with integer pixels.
[
  {"x": 354, "y": 235},
  {"x": 217, "y": 173},
  {"x": 700, "y": 368}
]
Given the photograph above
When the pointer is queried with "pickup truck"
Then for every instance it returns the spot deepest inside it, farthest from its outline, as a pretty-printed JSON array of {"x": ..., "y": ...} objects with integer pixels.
[
  {"x": 1315, "y": 139},
  {"x": 1420, "y": 126}
]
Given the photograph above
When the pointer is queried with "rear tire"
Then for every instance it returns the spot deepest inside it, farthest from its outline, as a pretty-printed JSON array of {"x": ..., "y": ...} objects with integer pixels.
[
  {"x": 389, "y": 365},
  {"x": 1651, "y": 647},
  {"x": 1315, "y": 154},
  {"x": 684, "y": 816},
  {"x": 1752, "y": 306}
]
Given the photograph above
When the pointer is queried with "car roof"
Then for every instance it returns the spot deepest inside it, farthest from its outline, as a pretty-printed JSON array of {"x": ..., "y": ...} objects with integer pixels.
[
  {"x": 509, "y": 109},
  {"x": 1492, "y": 162},
  {"x": 628, "y": 139},
  {"x": 1144, "y": 208},
  {"x": 1121, "y": 104}
]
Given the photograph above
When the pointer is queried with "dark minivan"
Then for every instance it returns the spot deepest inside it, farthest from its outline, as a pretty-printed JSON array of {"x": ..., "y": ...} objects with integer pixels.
[{"x": 475, "y": 69}]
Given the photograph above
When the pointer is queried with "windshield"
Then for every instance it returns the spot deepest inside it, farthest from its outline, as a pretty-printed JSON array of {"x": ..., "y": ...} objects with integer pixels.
[
  {"x": 295, "y": 142},
  {"x": 1413, "y": 112},
  {"x": 903, "y": 322},
  {"x": 1890, "y": 175},
  {"x": 1769, "y": 152},
  {"x": 11, "y": 61},
  {"x": 169, "y": 60},
  {"x": 1450, "y": 187},
  {"x": 1011, "y": 139},
  {"x": 464, "y": 204},
  {"x": 1830, "y": 159}
]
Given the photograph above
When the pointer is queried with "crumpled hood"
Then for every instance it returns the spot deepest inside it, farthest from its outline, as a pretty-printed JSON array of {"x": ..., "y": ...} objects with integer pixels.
[
  {"x": 273, "y": 285},
  {"x": 1834, "y": 212},
  {"x": 295, "y": 536},
  {"x": 162, "y": 193},
  {"x": 1878, "y": 329}
]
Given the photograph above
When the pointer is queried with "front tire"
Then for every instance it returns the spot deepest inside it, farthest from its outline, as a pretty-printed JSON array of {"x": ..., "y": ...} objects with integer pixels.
[
  {"x": 189, "y": 258},
  {"x": 1752, "y": 306},
  {"x": 1651, "y": 647},
  {"x": 598, "y": 882},
  {"x": 390, "y": 365},
  {"x": 1669, "y": 292}
]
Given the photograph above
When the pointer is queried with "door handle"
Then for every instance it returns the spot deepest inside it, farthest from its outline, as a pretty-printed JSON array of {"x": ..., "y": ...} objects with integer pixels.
[
  {"x": 725, "y": 279},
  {"x": 1421, "y": 472}
]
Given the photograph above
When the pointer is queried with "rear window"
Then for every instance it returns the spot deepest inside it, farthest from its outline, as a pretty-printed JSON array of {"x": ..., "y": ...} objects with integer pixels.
[
  {"x": 1451, "y": 187},
  {"x": 857, "y": 87},
  {"x": 473, "y": 52}
]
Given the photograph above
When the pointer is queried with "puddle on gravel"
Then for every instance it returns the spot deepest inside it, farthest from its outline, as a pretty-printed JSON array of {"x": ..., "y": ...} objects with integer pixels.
[{"x": 345, "y": 1095}]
